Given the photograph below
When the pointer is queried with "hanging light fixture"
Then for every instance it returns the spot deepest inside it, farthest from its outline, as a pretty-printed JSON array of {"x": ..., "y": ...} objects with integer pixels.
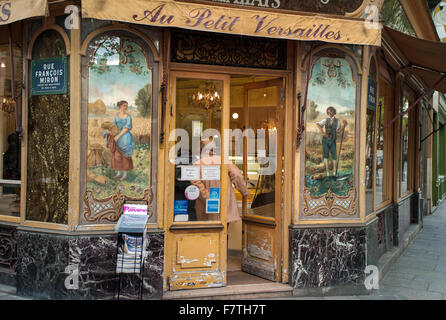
[
  {"x": 207, "y": 97},
  {"x": 7, "y": 105}
]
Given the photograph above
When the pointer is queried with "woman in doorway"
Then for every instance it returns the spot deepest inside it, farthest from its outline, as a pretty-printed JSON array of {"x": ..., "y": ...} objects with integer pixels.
[
  {"x": 122, "y": 144},
  {"x": 208, "y": 157}
]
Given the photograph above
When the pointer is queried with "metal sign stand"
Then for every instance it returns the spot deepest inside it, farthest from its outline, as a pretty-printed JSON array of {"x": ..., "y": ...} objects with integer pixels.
[{"x": 130, "y": 250}]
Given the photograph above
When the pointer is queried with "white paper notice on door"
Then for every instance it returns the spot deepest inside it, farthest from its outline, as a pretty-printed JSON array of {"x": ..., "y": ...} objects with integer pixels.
[
  {"x": 210, "y": 172},
  {"x": 189, "y": 173}
]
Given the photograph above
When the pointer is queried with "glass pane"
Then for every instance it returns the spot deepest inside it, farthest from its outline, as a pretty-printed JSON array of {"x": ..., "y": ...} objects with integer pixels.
[
  {"x": 382, "y": 169},
  {"x": 9, "y": 141},
  {"x": 261, "y": 149},
  {"x": 404, "y": 148},
  {"x": 237, "y": 126},
  {"x": 48, "y": 144},
  {"x": 198, "y": 150},
  {"x": 370, "y": 158}
]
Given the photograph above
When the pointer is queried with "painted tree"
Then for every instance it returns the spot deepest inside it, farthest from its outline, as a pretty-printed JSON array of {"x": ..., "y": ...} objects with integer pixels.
[
  {"x": 144, "y": 101},
  {"x": 312, "y": 111}
]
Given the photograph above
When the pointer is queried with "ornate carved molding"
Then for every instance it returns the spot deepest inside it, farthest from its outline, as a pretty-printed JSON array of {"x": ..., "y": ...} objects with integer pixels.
[
  {"x": 227, "y": 50},
  {"x": 110, "y": 209},
  {"x": 329, "y": 204},
  {"x": 8, "y": 250}
]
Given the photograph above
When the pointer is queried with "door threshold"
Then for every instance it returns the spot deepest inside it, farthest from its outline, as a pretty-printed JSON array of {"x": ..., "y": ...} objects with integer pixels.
[{"x": 234, "y": 292}]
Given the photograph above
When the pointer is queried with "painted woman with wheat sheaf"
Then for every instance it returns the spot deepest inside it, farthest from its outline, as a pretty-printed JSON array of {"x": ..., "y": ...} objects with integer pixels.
[{"x": 122, "y": 144}]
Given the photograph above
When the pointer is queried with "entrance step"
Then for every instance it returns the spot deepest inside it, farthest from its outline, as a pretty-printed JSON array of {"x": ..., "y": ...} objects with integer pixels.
[{"x": 234, "y": 292}]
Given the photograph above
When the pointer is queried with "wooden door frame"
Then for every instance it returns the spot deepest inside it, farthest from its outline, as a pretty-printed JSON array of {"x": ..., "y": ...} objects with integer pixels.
[
  {"x": 278, "y": 214},
  {"x": 193, "y": 226},
  {"x": 289, "y": 152}
]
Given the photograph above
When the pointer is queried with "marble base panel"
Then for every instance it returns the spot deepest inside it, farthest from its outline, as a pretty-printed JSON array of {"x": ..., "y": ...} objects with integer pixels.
[
  {"x": 374, "y": 250},
  {"x": 327, "y": 257},
  {"x": 406, "y": 212},
  {"x": 416, "y": 208},
  {"x": 83, "y": 267},
  {"x": 380, "y": 235}
]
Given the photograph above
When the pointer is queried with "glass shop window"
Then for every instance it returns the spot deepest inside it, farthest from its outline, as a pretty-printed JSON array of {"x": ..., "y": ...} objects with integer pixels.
[
  {"x": 9, "y": 141},
  {"x": 198, "y": 159},
  {"x": 370, "y": 139},
  {"x": 383, "y": 141},
  {"x": 404, "y": 176},
  {"x": 48, "y": 146}
]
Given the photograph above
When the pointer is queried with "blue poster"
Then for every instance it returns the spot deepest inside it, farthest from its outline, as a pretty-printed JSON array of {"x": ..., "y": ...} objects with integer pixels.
[
  {"x": 49, "y": 76},
  {"x": 214, "y": 193},
  {"x": 180, "y": 207},
  {"x": 212, "y": 206}
]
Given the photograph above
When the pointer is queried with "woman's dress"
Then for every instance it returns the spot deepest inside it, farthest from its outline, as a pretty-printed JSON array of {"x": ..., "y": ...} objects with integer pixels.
[{"x": 121, "y": 151}]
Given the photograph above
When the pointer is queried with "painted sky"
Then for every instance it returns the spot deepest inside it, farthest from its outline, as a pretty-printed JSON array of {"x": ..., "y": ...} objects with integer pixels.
[
  {"x": 331, "y": 94},
  {"x": 115, "y": 85}
]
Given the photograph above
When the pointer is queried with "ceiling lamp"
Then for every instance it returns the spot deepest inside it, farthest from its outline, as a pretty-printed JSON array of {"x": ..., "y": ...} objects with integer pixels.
[{"x": 207, "y": 97}]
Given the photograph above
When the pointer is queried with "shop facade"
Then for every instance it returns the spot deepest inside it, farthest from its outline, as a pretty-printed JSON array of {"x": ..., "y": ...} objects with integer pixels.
[
  {"x": 438, "y": 179},
  {"x": 115, "y": 110}
]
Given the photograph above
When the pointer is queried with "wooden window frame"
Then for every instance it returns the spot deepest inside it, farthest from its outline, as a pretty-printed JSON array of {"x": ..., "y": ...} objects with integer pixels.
[
  {"x": 388, "y": 156},
  {"x": 28, "y": 45},
  {"x": 407, "y": 93},
  {"x": 155, "y": 184},
  {"x": 10, "y": 182},
  {"x": 375, "y": 135}
]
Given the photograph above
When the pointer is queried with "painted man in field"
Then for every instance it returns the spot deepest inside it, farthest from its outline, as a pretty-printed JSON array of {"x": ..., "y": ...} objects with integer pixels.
[{"x": 329, "y": 128}]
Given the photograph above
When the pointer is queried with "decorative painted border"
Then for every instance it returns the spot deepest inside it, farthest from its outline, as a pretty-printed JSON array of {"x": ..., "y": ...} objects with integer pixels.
[
  {"x": 329, "y": 204},
  {"x": 111, "y": 208}
]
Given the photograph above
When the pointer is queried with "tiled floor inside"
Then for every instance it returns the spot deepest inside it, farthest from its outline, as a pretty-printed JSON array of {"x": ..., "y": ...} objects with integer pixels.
[{"x": 235, "y": 275}]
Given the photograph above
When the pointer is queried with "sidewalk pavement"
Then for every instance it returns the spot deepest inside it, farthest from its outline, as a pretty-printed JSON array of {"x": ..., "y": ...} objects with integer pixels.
[
  {"x": 418, "y": 274},
  {"x": 9, "y": 293}
]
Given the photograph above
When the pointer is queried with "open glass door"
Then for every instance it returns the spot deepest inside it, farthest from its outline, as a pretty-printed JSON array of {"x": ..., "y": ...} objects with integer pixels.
[
  {"x": 262, "y": 164},
  {"x": 197, "y": 176}
]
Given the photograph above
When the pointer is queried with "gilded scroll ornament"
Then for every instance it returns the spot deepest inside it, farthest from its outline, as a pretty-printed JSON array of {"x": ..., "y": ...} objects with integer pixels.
[
  {"x": 110, "y": 209},
  {"x": 329, "y": 204}
]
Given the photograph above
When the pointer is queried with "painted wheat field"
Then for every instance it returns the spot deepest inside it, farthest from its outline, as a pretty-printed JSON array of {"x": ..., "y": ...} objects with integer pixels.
[
  {"x": 315, "y": 177},
  {"x": 100, "y": 177}
]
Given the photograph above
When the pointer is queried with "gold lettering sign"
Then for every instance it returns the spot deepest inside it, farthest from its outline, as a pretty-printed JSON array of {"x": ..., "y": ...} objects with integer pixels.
[
  {"x": 240, "y": 21},
  {"x": 322, "y": 6}
]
